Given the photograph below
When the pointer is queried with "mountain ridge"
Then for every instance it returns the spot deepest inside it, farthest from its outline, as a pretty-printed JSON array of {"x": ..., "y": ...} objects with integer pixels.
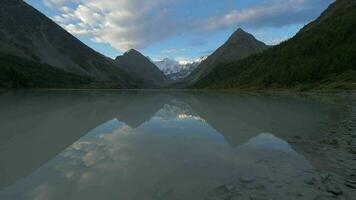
[
  {"x": 28, "y": 34},
  {"x": 239, "y": 45},
  {"x": 142, "y": 67},
  {"x": 178, "y": 70},
  {"x": 320, "y": 56}
]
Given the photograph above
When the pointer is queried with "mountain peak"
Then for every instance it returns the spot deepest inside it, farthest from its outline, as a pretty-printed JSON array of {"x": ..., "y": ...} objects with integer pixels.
[
  {"x": 133, "y": 52},
  {"x": 240, "y": 30},
  {"x": 141, "y": 66},
  {"x": 241, "y": 34},
  {"x": 240, "y": 45}
]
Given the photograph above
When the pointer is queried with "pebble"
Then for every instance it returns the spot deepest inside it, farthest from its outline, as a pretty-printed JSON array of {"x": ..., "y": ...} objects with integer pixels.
[
  {"x": 222, "y": 196},
  {"x": 254, "y": 197},
  {"x": 299, "y": 195},
  {"x": 353, "y": 142},
  {"x": 221, "y": 190},
  {"x": 247, "y": 179},
  {"x": 310, "y": 181},
  {"x": 258, "y": 187},
  {"x": 351, "y": 181},
  {"x": 297, "y": 137},
  {"x": 229, "y": 187},
  {"x": 334, "y": 189},
  {"x": 350, "y": 185},
  {"x": 325, "y": 176},
  {"x": 334, "y": 142},
  {"x": 323, "y": 196}
]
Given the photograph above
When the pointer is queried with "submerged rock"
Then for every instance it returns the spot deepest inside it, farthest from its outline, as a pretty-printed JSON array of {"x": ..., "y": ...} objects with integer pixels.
[
  {"x": 229, "y": 187},
  {"x": 310, "y": 181},
  {"x": 350, "y": 183},
  {"x": 325, "y": 176},
  {"x": 334, "y": 189},
  {"x": 255, "y": 197},
  {"x": 247, "y": 179}
]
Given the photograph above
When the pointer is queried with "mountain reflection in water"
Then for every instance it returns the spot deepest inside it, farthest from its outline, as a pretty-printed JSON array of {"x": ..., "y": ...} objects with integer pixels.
[{"x": 152, "y": 145}]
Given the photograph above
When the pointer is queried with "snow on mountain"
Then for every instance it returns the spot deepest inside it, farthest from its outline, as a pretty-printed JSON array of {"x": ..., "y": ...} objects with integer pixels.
[{"x": 177, "y": 70}]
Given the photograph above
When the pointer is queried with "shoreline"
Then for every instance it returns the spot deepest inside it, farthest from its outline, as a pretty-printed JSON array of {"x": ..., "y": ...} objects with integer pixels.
[
  {"x": 335, "y": 155},
  {"x": 187, "y": 90}
]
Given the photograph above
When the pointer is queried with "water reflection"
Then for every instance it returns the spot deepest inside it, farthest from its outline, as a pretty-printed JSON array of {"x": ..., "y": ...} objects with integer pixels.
[{"x": 140, "y": 145}]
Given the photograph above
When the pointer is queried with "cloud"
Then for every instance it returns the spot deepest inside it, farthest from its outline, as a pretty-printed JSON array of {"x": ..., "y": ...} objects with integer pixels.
[
  {"x": 275, "y": 13},
  {"x": 126, "y": 24},
  {"x": 123, "y": 24},
  {"x": 170, "y": 51},
  {"x": 54, "y": 3}
]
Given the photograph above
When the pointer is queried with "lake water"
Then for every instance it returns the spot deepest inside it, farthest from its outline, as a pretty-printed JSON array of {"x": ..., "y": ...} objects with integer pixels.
[{"x": 160, "y": 145}]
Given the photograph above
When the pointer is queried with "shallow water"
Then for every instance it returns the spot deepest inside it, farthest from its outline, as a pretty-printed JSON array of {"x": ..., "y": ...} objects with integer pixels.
[{"x": 159, "y": 145}]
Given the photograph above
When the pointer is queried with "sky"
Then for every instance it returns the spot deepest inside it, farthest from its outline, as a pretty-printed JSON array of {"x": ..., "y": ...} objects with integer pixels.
[{"x": 177, "y": 29}]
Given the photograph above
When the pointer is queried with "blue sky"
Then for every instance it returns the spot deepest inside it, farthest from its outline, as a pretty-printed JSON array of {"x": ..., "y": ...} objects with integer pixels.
[{"x": 180, "y": 29}]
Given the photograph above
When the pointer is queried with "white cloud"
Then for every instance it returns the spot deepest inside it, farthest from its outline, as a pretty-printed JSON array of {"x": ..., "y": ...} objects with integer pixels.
[
  {"x": 55, "y": 3},
  {"x": 274, "y": 13},
  {"x": 170, "y": 51},
  {"x": 126, "y": 24},
  {"x": 123, "y": 24}
]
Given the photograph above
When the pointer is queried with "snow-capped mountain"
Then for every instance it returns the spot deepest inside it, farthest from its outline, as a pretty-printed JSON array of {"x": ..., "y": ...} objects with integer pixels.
[{"x": 177, "y": 70}]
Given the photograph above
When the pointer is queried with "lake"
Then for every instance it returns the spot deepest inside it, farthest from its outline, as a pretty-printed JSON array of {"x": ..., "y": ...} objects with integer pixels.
[{"x": 152, "y": 145}]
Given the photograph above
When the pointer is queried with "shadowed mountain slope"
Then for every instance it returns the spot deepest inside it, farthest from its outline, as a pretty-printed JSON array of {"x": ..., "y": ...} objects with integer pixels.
[
  {"x": 321, "y": 55},
  {"x": 240, "y": 45},
  {"x": 29, "y": 35},
  {"x": 138, "y": 65}
]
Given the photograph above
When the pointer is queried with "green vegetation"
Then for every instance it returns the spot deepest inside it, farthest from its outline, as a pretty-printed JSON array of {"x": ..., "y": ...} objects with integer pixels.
[
  {"x": 321, "y": 55},
  {"x": 17, "y": 72},
  {"x": 239, "y": 46}
]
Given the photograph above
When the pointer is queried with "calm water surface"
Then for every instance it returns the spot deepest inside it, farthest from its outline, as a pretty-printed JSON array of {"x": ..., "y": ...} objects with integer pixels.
[{"x": 153, "y": 145}]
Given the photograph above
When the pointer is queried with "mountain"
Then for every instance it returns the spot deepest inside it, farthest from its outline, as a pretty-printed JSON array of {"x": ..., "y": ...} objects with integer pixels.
[
  {"x": 240, "y": 45},
  {"x": 16, "y": 72},
  {"x": 27, "y": 36},
  {"x": 177, "y": 70},
  {"x": 142, "y": 67},
  {"x": 320, "y": 56},
  {"x": 169, "y": 66},
  {"x": 183, "y": 73}
]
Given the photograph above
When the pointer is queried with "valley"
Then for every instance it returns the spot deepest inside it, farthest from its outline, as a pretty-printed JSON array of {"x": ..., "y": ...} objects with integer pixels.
[
  {"x": 320, "y": 57},
  {"x": 173, "y": 100}
]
